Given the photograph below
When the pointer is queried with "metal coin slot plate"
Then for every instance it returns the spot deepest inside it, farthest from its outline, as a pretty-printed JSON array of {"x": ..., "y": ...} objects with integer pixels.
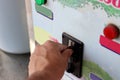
[{"x": 75, "y": 61}]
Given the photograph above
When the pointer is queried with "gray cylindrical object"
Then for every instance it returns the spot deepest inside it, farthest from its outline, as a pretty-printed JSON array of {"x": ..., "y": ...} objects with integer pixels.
[{"x": 13, "y": 27}]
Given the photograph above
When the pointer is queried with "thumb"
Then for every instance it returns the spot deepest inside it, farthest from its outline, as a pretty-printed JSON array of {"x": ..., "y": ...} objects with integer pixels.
[{"x": 67, "y": 53}]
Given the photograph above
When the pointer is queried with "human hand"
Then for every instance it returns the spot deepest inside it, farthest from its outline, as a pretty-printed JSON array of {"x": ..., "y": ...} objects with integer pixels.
[{"x": 50, "y": 59}]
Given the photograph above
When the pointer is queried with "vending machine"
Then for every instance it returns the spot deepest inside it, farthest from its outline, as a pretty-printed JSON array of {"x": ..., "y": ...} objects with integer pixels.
[{"x": 91, "y": 25}]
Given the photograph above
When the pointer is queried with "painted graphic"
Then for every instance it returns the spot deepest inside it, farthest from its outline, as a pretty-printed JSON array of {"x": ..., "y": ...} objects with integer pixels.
[
  {"x": 110, "y": 44},
  {"x": 92, "y": 71},
  {"x": 111, "y": 7},
  {"x": 41, "y": 35},
  {"x": 94, "y": 77}
]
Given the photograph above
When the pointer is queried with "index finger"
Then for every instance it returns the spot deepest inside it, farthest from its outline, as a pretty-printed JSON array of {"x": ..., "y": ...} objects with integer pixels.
[{"x": 54, "y": 45}]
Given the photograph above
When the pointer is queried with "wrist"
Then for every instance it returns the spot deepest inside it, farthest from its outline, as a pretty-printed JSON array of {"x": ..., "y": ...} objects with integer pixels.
[{"x": 43, "y": 75}]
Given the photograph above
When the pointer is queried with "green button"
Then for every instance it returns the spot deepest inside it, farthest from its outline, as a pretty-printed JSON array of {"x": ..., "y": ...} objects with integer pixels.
[{"x": 40, "y": 2}]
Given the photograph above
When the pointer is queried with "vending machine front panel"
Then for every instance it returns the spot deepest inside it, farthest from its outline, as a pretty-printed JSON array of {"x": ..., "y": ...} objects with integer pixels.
[{"x": 94, "y": 22}]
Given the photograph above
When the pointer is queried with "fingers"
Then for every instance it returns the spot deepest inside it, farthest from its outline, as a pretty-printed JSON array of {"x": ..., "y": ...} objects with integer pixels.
[
  {"x": 67, "y": 53},
  {"x": 49, "y": 55},
  {"x": 53, "y": 45}
]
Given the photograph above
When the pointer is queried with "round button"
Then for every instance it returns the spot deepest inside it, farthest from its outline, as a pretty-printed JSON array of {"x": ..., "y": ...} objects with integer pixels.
[
  {"x": 40, "y": 2},
  {"x": 111, "y": 31}
]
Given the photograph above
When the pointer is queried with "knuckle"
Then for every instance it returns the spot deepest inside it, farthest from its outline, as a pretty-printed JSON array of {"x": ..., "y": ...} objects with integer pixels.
[{"x": 48, "y": 42}]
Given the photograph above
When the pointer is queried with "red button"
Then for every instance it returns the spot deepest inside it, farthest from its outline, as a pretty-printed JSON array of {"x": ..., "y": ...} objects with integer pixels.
[{"x": 111, "y": 31}]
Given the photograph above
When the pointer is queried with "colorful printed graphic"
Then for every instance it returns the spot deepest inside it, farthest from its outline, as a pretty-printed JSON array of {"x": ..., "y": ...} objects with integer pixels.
[
  {"x": 92, "y": 71},
  {"x": 110, "y": 44},
  {"x": 109, "y": 9},
  {"x": 41, "y": 35},
  {"x": 94, "y": 77}
]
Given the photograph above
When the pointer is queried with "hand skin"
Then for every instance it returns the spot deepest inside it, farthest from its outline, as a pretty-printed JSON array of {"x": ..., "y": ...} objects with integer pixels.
[{"x": 49, "y": 61}]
